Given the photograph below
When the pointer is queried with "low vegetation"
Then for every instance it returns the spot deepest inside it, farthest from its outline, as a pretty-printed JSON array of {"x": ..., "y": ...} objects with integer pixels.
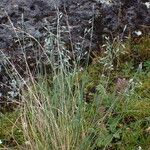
[{"x": 103, "y": 105}]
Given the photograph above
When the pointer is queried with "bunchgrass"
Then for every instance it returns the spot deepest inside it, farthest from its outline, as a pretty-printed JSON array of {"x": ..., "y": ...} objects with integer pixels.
[
  {"x": 100, "y": 106},
  {"x": 56, "y": 115}
]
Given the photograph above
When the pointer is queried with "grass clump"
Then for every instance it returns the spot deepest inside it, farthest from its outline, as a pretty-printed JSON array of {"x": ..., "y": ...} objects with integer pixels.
[{"x": 100, "y": 106}]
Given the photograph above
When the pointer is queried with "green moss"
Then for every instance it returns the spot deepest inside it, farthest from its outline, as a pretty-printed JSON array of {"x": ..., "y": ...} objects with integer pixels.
[
  {"x": 10, "y": 129},
  {"x": 142, "y": 48}
]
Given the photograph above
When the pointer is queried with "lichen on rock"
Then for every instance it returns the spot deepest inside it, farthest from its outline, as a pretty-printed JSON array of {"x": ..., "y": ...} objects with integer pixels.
[{"x": 81, "y": 25}]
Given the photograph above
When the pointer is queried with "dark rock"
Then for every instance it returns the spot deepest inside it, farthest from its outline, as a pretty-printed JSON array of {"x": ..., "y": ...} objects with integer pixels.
[
  {"x": 131, "y": 14},
  {"x": 78, "y": 24},
  {"x": 74, "y": 17}
]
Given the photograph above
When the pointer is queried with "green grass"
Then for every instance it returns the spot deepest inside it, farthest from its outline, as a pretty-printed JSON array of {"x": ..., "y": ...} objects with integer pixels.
[{"x": 99, "y": 107}]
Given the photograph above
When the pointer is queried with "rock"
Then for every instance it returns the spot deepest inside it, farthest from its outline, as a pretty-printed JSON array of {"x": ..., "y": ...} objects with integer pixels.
[
  {"x": 126, "y": 14},
  {"x": 79, "y": 24}
]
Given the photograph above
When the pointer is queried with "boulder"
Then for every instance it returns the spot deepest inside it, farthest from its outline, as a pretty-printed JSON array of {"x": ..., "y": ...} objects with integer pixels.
[{"x": 79, "y": 25}]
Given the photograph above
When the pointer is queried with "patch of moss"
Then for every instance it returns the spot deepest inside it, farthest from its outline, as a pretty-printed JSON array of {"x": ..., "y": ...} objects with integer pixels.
[
  {"x": 10, "y": 129},
  {"x": 142, "y": 48}
]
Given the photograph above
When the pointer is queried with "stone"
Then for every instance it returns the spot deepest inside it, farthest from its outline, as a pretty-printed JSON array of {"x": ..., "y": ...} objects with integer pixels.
[{"x": 79, "y": 24}]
